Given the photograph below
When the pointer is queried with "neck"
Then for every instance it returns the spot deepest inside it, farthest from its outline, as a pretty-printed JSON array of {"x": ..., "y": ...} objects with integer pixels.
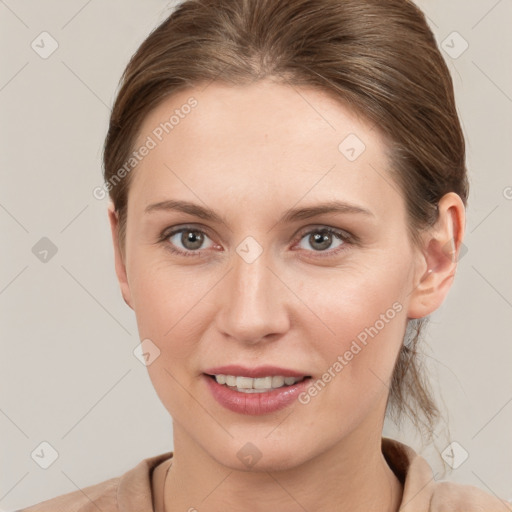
[{"x": 353, "y": 475}]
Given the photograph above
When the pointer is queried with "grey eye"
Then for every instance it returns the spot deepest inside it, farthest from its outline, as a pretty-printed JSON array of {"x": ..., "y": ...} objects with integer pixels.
[
  {"x": 190, "y": 239},
  {"x": 321, "y": 239}
]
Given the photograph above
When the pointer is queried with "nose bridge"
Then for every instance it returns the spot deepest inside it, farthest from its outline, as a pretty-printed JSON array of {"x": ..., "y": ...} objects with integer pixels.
[{"x": 254, "y": 305}]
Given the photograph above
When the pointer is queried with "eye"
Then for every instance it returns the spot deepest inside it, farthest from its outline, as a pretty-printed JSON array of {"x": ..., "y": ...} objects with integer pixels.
[
  {"x": 323, "y": 238},
  {"x": 186, "y": 241},
  {"x": 189, "y": 241}
]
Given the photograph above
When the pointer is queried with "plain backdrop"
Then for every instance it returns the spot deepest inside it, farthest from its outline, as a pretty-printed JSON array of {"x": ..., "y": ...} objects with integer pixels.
[{"x": 68, "y": 374}]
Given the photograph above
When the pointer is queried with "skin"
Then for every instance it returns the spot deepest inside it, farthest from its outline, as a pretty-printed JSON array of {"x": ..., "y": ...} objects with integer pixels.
[{"x": 250, "y": 153}]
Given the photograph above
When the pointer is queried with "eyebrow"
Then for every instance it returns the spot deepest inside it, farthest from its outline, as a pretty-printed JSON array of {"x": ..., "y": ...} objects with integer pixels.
[{"x": 291, "y": 215}]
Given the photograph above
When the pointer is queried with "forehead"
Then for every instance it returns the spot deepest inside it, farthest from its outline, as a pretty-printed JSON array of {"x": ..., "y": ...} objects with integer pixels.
[
  {"x": 264, "y": 112},
  {"x": 260, "y": 141}
]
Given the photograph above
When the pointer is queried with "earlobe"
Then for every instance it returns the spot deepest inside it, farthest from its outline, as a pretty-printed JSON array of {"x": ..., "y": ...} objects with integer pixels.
[
  {"x": 119, "y": 259},
  {"x": 438, "y": 261}
]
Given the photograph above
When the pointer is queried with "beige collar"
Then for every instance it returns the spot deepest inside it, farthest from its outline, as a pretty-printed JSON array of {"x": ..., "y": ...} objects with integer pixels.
[{"x": 158, "y": 482}]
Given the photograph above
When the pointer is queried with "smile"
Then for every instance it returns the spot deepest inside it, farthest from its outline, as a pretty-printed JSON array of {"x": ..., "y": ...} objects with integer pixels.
[{"x": 256, "y": 385}]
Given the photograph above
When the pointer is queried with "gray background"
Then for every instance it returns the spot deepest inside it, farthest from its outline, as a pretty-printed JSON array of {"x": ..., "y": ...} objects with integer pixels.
[{"x": 68, "y": 373}]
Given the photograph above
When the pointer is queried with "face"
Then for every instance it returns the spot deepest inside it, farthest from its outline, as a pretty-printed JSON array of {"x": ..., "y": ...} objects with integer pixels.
[{"x": 267, "y": 280}]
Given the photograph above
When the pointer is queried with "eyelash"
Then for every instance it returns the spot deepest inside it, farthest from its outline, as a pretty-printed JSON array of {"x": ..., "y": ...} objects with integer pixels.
[{"x": 344, "y": 236}]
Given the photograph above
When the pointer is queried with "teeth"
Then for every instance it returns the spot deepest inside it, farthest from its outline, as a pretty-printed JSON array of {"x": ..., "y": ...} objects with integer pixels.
[
  {"x": 221, "y": 379},
  {"x": 262, "y": 383},
  {"x": 244, "y": 382},
  {"x": 258, "y": 385},
  {"x": 277, "y": 381}
]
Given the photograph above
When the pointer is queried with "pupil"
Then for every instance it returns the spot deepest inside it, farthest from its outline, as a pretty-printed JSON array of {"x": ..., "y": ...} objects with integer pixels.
[
  {"x": 192, "y": 239},
  {"x": 324, "y": 239}
]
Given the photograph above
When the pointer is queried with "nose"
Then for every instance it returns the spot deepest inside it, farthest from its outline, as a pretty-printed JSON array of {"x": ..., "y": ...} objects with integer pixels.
[{"x": 253, "y": 302}]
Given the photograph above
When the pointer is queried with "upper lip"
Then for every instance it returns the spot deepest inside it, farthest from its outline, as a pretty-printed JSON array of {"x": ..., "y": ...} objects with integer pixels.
[{"x": 258, "y": 371}]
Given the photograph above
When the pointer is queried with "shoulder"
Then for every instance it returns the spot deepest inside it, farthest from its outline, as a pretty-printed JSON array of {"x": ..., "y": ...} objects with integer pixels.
[
  {"x": 454, "y": 497},
  {"x": 101, "y": 496},
  {"x": 423, "y": 493},
  {"x": 130, "y": 492}
]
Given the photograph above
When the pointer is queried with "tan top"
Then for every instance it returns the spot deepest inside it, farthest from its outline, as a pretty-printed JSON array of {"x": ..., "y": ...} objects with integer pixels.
[{"x": 134, "y": 490}]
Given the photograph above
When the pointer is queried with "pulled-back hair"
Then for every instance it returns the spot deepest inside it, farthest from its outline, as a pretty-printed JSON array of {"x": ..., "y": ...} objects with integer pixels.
[{"x": 378, "y": 57}]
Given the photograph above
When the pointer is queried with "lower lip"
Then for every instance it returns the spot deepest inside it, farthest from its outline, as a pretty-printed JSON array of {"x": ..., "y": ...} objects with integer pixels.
[{"x": 255, "y": 403}]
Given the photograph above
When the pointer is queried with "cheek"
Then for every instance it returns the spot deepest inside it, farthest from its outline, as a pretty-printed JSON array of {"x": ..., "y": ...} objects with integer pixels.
[
  {"x": 171, "y": 311},
  {"x": 169, "y": 304},
  {"x": 348, "y": 300},
  {"x": 363, "y": 319}
]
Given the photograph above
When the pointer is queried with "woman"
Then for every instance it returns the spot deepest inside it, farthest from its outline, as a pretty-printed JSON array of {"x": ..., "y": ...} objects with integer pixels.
[{"x": 288, "y": 191}]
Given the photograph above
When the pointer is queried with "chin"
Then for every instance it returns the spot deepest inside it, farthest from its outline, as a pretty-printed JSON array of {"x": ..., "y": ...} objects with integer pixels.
[
  {"x": 271, "y": 463},
  {"x": 260, "y": 455}
]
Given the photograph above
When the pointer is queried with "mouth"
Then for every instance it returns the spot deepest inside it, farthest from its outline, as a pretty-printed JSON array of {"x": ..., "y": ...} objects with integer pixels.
[
  {"x": 255, "y": 390},
  {"x": 264, "y": 384}
]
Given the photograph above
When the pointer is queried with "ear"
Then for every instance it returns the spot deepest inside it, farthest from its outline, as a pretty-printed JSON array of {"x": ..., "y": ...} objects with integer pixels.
[
  {"x": 437, "y": 261},
  {"x": 119, "y": 257}
]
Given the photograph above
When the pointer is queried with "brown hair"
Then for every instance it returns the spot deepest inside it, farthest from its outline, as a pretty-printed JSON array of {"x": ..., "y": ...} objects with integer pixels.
[{"x": 378, "y": 57}]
